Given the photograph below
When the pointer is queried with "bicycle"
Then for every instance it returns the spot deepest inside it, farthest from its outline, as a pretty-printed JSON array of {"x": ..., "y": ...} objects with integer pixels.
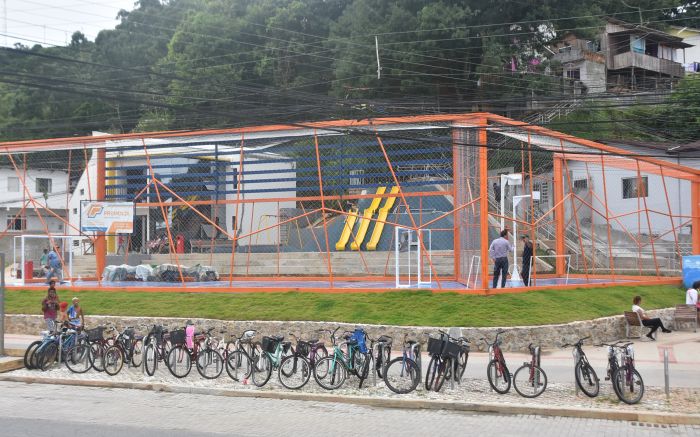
[
  {"x": 295, "y": 369},
  {"x": 180, "y": 357},
  {"x": 331, "y": 372},
  {"x": 445, "y": 353},
  {"x": 383, "y": 355},
  {"x": 274, "y": 350},
  {"x": 586, "y": 378},
  {"x": 497, "y": 370},
  {"x": 626, "y": 380},
  {"x": 156, "y": 347},
  {"x": 30, "y": 353},
  {"x": 128, "y": 347},
  {"x": 530, "y": 380},
  {"x": 238, "y": 360},
  {"x": 403, "y": 374},
  {"x": 99, "y": 342},
  {"x": 54, "y": 349}
]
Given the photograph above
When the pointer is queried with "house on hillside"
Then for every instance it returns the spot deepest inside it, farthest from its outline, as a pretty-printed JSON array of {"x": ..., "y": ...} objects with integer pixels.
[
  {"x": 624, "y": 56},
  {"x": 690, "y": 57}
]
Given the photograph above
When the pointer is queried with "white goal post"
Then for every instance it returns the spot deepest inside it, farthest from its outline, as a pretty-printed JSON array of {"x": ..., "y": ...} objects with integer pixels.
[{"x": 28, "y": 250}]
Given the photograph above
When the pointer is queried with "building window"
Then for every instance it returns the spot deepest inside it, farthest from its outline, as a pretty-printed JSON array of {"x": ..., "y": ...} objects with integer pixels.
[
  {"x": 638, "y": 44},
  {"x": 580, "y": 184},
  {"x": 75, "y": 210},
  {"x": 543, "y": 188},
  {"x": 13, "y": 185},
  {"x": 43, "y": 185},
  {"x": 573, "y": 74},
  {"x": 633, "y": 188},
  {"x": 16, "y": 224},
  {"x": 82, "y": 191}
]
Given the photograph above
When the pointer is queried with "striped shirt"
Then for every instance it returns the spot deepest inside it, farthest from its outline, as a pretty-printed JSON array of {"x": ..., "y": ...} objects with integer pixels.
[{"x": 500, "y": 248}]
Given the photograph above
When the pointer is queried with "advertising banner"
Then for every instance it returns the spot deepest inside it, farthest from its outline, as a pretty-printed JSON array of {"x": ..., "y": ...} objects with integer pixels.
[{"x": 110, "y": 218}]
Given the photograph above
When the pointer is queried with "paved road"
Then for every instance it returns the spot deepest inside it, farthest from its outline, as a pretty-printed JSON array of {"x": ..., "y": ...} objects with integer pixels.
[{"x": 40, "y": 410}]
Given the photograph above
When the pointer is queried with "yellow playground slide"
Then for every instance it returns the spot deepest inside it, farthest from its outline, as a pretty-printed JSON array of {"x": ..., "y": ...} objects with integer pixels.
[
  {"x": 347, "y": 231},
  {"x": 366, "y": 220},
  {"x": 379, "y": 225}
]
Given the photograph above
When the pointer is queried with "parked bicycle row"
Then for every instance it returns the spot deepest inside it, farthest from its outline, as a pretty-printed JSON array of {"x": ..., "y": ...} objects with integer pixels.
[{"x": 295, "y": 360}]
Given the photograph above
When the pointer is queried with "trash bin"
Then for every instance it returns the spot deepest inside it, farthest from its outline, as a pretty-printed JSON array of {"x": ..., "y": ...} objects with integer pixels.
[
  {"x": 28, "y": 272},
  {"x": 180, "y": 243}
]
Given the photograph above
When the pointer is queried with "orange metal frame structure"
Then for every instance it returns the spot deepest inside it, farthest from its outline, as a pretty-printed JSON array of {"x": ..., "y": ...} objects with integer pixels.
[{"x": 481, "y": 123}]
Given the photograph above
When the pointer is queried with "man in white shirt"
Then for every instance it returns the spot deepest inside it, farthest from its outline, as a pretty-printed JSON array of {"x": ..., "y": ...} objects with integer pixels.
[{"x": 691, "y": 296}]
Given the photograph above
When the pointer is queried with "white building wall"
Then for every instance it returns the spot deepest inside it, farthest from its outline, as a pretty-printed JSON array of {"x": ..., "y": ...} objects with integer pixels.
[{"x": 678, "y": 197}]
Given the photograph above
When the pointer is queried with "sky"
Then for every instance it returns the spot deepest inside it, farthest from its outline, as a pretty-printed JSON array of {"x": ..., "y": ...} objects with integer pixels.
[{"x": 52, "y": 22}]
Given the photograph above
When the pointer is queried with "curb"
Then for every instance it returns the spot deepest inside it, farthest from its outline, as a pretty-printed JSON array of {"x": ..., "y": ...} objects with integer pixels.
[
  {"x": 585, "y": 413},
  {"x": 13, "y": 364}
]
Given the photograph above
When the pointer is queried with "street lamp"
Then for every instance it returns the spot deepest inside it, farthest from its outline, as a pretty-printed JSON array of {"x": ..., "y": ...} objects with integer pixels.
[
  {"x": 508, "y": 179},
  {"x": 515, "y": 276}
]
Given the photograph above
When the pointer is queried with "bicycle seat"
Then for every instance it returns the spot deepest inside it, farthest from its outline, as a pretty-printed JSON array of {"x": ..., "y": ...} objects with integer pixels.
[
  {"x": 277, "y": 337},
  {"x": 411, "y": 342},
  {"x": 313, "y": 340}
]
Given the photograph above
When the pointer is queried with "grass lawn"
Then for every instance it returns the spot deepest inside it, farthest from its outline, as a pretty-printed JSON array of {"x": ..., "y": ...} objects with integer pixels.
[{"x": 421, "y": 308}]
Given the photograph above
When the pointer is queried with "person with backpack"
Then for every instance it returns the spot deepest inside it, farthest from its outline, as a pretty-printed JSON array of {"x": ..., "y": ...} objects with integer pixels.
[
  {"x": 55, "y": 267},
  {"x": 49, "y": 306}
]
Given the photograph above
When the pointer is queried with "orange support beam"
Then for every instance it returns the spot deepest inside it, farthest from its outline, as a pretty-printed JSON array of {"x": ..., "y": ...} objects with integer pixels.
[
  {"x": 484, "y": 203},
  {"x": 559, "y": 226},
  {"x": 695, "y": 212},
  {"x": 100, "y": 241}
]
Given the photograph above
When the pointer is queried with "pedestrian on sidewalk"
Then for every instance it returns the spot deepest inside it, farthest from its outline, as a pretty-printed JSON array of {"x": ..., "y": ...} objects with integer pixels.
[
  {"x": 691, "y": 296},
  {"x": 654, "y": 323},
  {"x": 498, "y": 251},
  {"x": 50, "y": 307}
]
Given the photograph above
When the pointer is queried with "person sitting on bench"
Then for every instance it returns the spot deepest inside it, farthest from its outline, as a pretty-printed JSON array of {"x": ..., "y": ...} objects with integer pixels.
[{"x": 654, "y": 323}]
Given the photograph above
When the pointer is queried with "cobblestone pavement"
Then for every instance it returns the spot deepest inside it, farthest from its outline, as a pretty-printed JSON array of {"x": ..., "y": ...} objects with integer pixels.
[{"x": 28, "y": 410}]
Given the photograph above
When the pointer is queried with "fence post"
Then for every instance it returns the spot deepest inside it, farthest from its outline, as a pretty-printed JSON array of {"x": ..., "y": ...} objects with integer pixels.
[{"x": 666, "y": 374}]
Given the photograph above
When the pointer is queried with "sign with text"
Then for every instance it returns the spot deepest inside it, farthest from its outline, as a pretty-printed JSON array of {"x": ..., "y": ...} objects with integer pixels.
[{"x": 108, "y": 217}]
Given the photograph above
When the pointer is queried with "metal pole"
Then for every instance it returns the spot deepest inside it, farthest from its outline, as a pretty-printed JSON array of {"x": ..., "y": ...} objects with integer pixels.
[
  {"x": 666, "y": 374},
  {"x": 2, "y": 305}
]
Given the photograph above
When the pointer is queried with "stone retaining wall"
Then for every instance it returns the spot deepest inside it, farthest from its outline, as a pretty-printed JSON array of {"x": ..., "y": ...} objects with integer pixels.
[{"x": 515, "y": 338}]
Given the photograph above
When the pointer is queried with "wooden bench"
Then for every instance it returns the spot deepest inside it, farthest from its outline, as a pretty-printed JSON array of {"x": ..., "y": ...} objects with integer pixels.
[
  {"x": 202, "y": 246},
  {"x": 685, "y": 314},
  {"x": 632, "y": 319}
]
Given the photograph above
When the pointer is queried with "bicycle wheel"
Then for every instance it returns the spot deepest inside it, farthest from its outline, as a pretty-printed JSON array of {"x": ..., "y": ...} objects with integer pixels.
[
  {"x": 461, "y": 364},
  {"x": 586, "y": 379},
  {"x": 629, "y": 385},
  {"x": 498, "y": 375},
  {"x": 321, "y": 352},
  {"x": 179, "y": 361},
  {"x": 382, "y": 360},
  {"x": 77, "y": 358},
  {"x": 238, "y": 365},
  {"x": 262, "y": 369},
  {"x": 29, "y": 352},
  {"x": 150, "y": 357},
  {"x": 294, "y": 372},
  {"x": 431, "y": 372},
  {"x": 444, "y": 372},
  {"x": 529, "y": 381},
  {"x": 113, "y": 360},
  {"x": 97, "y": 353},
  {"x": 335, "y": 373},
  {"x": 210, "y": 364},
  {"x": 366, "y": 366},
  {"x": 46, "y": 356},
  {"x": 402, "y": 375},
  {"x": 418, "y": 359},
  {"x": 137, "y": 353}
]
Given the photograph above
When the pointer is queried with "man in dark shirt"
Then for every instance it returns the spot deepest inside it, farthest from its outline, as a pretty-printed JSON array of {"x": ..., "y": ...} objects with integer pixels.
[
  {"x": 497, "y": 192},
  {"x": 527, "y": 256}
]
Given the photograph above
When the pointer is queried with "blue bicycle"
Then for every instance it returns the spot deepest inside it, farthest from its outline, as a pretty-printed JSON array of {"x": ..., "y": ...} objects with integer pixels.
[
  {"x": 68, "y": 346},
  {"x": 403, "y": 374}
]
